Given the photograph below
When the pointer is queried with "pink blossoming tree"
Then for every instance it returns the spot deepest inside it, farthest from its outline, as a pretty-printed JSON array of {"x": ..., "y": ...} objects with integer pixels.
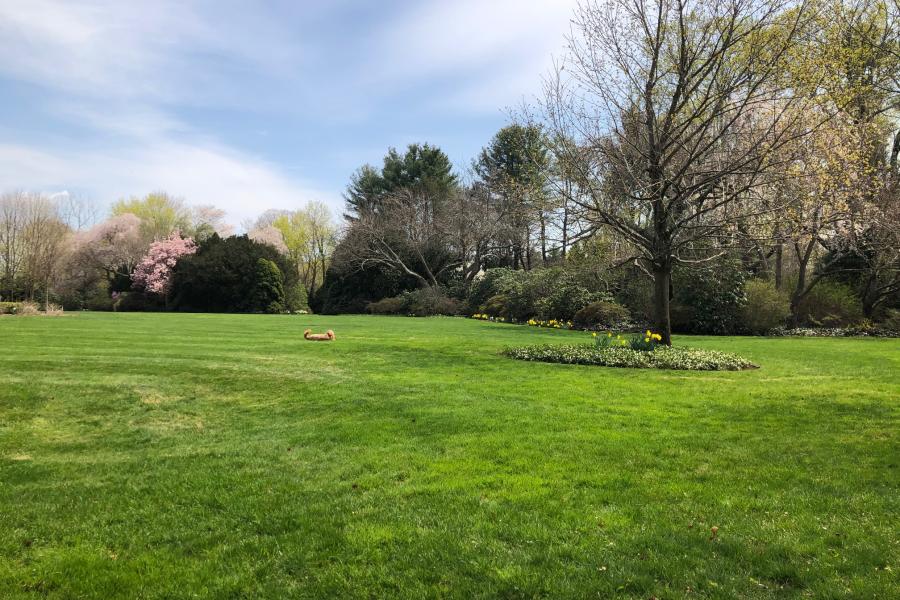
[{"x": 153, "y": 273}]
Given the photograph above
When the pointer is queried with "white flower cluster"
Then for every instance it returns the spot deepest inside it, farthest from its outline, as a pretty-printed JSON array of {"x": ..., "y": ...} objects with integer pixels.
[{"x": 663, "y": 357}]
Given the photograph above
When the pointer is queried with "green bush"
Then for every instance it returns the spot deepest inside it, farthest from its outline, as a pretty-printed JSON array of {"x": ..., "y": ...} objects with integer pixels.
[
  {"x": 830, "y": 304},
  {"x": 295, "y": 298},
  {"x": 98, "y": 299},
  {"x": 10, "y": 308},
  {"x": 268, "y": 289},
  {"x": 633, "y": 289},
  {"x": 565, "y": 300},
  {"x": 234, "y": 274},
  {"x": 484, "y": 287},
  {"x": 495, "y": 306},
  {"x": 891, "y": 320},
  {"x": 663, "y": 357},
  {"x": 605, "y": 314},
  {"x": 766, "y": 307},
  {"x": 552, "y": 293},
  {"x": 388, "y": 306},
  {"x": 709, "y": 298},
  {"x": 428, "y": 302},
  {"x": 130, "y": 302},
  {"x": 424, "y": 302}
]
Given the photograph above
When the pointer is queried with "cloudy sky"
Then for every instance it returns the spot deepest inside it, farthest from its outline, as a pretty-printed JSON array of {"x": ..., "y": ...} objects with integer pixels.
[{"x": 254, "y": 105}]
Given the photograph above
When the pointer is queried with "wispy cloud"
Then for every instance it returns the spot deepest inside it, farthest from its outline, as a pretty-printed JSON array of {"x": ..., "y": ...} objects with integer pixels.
[
  {"x": 244, "y": 186},
  {"x": 494, "y": 52},
  {"x": 129, "y": 97},
  {"x": 165, "y": 50}
]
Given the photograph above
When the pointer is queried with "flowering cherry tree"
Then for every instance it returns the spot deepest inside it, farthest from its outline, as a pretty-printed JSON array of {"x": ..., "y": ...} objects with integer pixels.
[
  {"x": 113, "y": 246},
  {"x": 271, "y": 236},
  {"x": 154, "y": 272}
]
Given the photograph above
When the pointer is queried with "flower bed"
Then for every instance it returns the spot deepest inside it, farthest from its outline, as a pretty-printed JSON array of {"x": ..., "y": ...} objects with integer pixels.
[
  {"x": 834, "y": 332},
  {"x": 662, "y": 357}
]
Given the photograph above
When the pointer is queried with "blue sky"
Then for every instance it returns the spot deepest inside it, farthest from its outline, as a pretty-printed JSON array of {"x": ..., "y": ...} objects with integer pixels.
[{"x": 255, "y": 105}]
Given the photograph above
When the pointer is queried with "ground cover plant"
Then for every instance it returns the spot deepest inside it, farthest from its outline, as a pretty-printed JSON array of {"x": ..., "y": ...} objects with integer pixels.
[
  {"x": 171, "y": 455},
  {"x": 638, "y": 351},
  {"x": 664, "y": 357}
]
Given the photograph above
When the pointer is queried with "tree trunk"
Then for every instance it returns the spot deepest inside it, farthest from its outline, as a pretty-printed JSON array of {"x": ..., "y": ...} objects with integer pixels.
[
  {"x": 662, "y": 278},
  {"x": 543, "y": 240},
  {"x": 527, "y": 251},
  {"x": 779, "y": 265},
  {"x": 797, "y": 296}
]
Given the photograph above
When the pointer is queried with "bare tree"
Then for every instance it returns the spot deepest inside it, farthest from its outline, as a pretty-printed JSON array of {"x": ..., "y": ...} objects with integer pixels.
[
  {"x": 78, "y": 212},
  {"x": 478, "y": 224},
  {"x": 43, "y": 234},
  {"x": 409, "y": 234},
  {"x": 12, "y": 253},
  {"x": 206, "y": 220},
  {"x": 675, "y": 108}
]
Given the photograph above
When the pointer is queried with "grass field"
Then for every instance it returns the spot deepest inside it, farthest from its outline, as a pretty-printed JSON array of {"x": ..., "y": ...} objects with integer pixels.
[{"x": 166, "y": 455}]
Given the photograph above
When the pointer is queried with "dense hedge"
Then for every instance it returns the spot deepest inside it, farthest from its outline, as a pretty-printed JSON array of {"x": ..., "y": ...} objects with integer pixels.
[
  {"x": 417, "y": 303},
  {"x": 605, "y": 314},
  {"x": 10, "y": 308},
  {"x": 709, "y": 298},
  {"x": 765, "y": 307},
  {"x": 552, "y": 293},
  {"x": 235, "y": 274},
  {"x": 830, "y": 304}
]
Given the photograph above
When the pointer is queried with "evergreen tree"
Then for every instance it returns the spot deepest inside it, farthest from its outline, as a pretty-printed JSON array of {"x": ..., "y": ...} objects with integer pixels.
[{"x": 268, "y": 290}]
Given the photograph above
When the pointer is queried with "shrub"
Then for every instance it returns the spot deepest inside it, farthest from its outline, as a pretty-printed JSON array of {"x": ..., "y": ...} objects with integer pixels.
[
  {"x": 431, "y": 301},
  {"x": 565, "y": 297},
  {"x": 129, "y": 302},
  {"x": 664, "y": 357},
  {"x": 830, "y": 304},
  {"x": 347, "y": 290},
  {"x": 856, "y": 331},
  {"x": 708, "y": 299},
  {"x": 28, "y": 308},
  {"x": 495, "y": 306},
  {"x": 766, "y": 307},
  {"x": 296, "y": 299},
  {"x": 891, "y": 320},
  {"x": 228, "y": 275},
  {"x": 605, "y": 314},
  {"x": 98, "y": 299},
  {"x": 633, "y": 289},
  {"x": 424, "y": 302},
  {"x": 552, "y": 293},
  {"x": 388, "y": 306},
  {"x": 10, "y": 308},
  {"x": 268, "y": 289},
  {"x": 485, "y": 287}
]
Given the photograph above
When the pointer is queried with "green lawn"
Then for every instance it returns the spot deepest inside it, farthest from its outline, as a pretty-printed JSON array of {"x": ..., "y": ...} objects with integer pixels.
[{"x": 166, "y": 455}]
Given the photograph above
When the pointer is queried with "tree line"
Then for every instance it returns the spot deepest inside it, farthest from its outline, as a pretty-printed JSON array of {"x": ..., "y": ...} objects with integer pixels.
[
  {"x": 158, "y": 253},
  {"x": 672, "y": 135},
  {"x": 684, "y": 158}
]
